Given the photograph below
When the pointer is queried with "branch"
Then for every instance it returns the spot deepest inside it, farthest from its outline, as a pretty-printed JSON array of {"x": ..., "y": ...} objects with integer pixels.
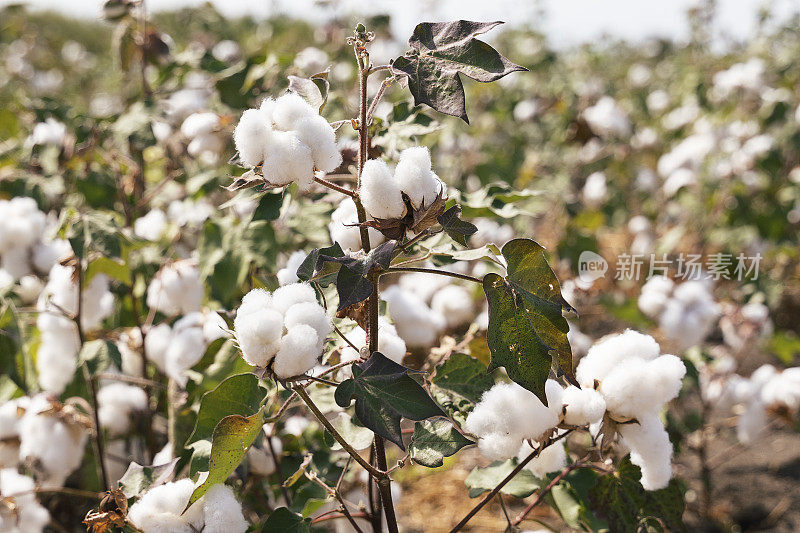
[
  {"x": 543, "y": 492},
  {"x": 391, "y": 270},
  {"x": 333, "y": 186}
]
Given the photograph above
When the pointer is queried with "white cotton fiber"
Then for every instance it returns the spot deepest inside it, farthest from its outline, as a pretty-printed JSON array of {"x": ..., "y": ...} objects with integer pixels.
[
  {"x": 380, "y": 192},
  {"x": 222, "y": 512},
  {"x": 298, "y": 352},
  {"x": 118, "y": 402},
  {"x": 255, "y": 300},
  {"x": 47, "y": 254},
  {"x": 27, "y": 514},
  {"x": 289, "y": 110},
  {"x": 582, "y": 406},
  {"x": 651, "y": 450},
  {"x": 288, "y": 274},
  {"x": 639, "y": 387},
  {"x": 258, "y": 334},
  {"x": 199, "y": 123},
  {"x": 415, "y": 178},
  {"x": 689, "y": 315},
  {"x": 285, "y": 297},
  {"x": 151, "y": 226},
  {"x": 455, "y": 304},
  {"x": 416, "y": 323},
  {"x": 655, "y": 294},
  {"x": 176, "y": 289},
  {"x": 287, "y": 159},
  {"x": 55, "y": 365},
  {"x": 389, "y": 343},
  {"x": 752, "y": 422},
  {"x": 159, "y": 509},
  {"x": 251, "y": 136},
  {"x": 551, "y": 459},
  {"x": 612, "y": 351},
  {"x": 310, "y": 314},
  {"x": 156, "y": 343},
  {"x": 318, "y": 135},
  {"x": 344, "y": 231}
]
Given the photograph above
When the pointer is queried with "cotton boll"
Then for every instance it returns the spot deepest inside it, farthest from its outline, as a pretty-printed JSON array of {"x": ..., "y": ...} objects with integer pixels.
[
  {"x": 551, "y": 459},
  {"x": 344, "y": 231},
  {"x": 222, "y": 513},
  {"x": 251, "y": 136},
  {"x": 415, "y": 322},
  {"x": 6, "y": 280},
  {"x": 159, "y": 509},
  {"x": 45, "y": 255},
  {"x": 29, "y": 288},
  {"x": 118, "y": 402},
  {"x": 389, "y": 343},
  {"x": 156, "y": 343},
  {"x": 258, "y": 335},
  {"x": 380, "y": 192},
  {"x": 214, "y": 327},
  {"x": 311, "y": 314},
  {"x": 289, "y": 110},
  {"x": 186, "y": 348},
  {"x": 288, "y": 295},
  {"x": 655, "y": 294},
  {"x": 415, "y": 178},
  {"x": 16, "y": 262},
  {"x": 423, "y": 285},
  {"x": 582, "y": 406},
  {"x": 55, "y": 365},
  {"x": 498, "y": 447},
  {"x": 689, "y": 315},
  {"x": 783, "y": 390},
  {"x": 288, "y": 274},
  {"x": 98, "y": 302},
  {"x": 607, "y": 119},
  {"x": 260, "y": 461},
  {"x": 752, "y": 422},
  {"x": 254, "y": 301},
  {"x": 176, "y": 289},
  {"x": 638, "y": 387},
  {"x": 612, "y": 351},
  {"x": 26, "y": 515},
  {"x": 595, "y": 190},
  {"x": 11, "y": 413},
  {"x": 318, "y": 135},
  {"x": 287, "y": 159},
  {"x": 651, "y": 450},
  {"x": 199, "y": 123},
  {"x": 455, "y": 304},
  {"x": 298, "y": 352}
]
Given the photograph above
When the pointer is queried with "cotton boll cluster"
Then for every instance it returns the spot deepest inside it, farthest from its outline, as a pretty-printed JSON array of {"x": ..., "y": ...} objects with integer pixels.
[
  {"x": 635, "y": 382},
  {"x": 287, "y": 325},
  {"x": 161, "y": 510},
  {"x": 390, "y": 343},
  {"x": 176, "y": 349},
  {"x": 416, "y": 323},
  {"x": 551, "y": 459},
  {"x": 26, "y": 515},
  {"x": 344, "y": 230},
  {"x": 288, "y": 274},
  {"x": 746, "y": 76},
  {"x": 289, "y": 139},
  {"x": 607, "y": 119},
  {"x": 118, "y": 403},
  {"x": 176, "y": 289},
  {"x": 595, "y": 190},
  {"x": 382, "y": 190},
  {"x": 51, "y": 440},
  {"x": 509, "y": 414},
  {"x": 150, "y": 226},
  {"x": 206, "y": 142},
  {"x": 226, "y": 51},
  {"x": 23, "y": 249}
]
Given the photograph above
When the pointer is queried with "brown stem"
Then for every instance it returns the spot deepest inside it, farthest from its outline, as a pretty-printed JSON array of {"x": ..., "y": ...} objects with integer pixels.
[
  {"x": 334, "y": 516},
  {"x": 382, "y": 89},
  {"x": 333, "y": 186},
  {"x": 535, "y": 453},
  {"x": 432, "y": 271},
  {"x": 385, "y": 485}
]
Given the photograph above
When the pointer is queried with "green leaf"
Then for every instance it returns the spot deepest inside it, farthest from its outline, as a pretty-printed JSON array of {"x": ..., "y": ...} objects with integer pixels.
[
  {"x": 117, "y": 270},
  {"x": 232, "y": 437},
  {"x": 485, "y": 479},
  {"x": 319, "y": 265},
  {"x": 237, "y": 395},
  {"x": 526, "y": 326},
  {"x": 99, "y": 355},
  {"x": 442, "y": 50},
  {"x": 434, "y": 440},
  {"x": 459, "y": 383},
  {"x": 138, "y": 479},
  {"x": 282, "y": 520},
  {"x": 623, "y": 502},
  {"x": 458, "y": 230},
  {"x": 385, "y": 392},
  {"x": 269, "y": 206}
]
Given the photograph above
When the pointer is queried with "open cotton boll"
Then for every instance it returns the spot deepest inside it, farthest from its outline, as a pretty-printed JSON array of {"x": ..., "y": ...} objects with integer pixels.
[
  {"x": 455, "y": 304},
  {"x": 607, "y": 119},
  {"x": 11, "y": 412},
  {"x": 186, "y": 348},
  {"x": 156, "y": 343},
  {"x": 783, "y": 390},
  {"x": 222, "y": 512},
  {"x": 655, "y": 294},
  {"x": 289, "y": 110},
  {"x": 288, "y": 274},
  {"x": 159, "y": 509},
  {"x": 582, "y": 406},
  {"x": 380, "y": 192},
  {"x": 16, "y": 262},
  {"x": 416, "y": 323},
  {"x": 199, "y": 123},
  {"x": 344, "y": 231},
  {"x": 251, "y": 136},
  {"x": 151, "y": 226},
  {"x": 176, "y": 289},
  {"x": 612, "y": 351},
  {"x": 206, "y": 147},
  {"x": 55, "y": 365},
  {"x": 689, "y": 315},
  {"x": 651, "y": 450},
  {"x": 287, "y": 159},
  {"x": 311, "y": 314},
  {"x": 389, "y": 343},
  {"x": 423, "y": 285},
  {"x": 415, "y": 178},
  {"x": 47, "y": 254},
  {"x": 253, "y": 301},
  {"x": 551, "y": 459},
  {"x": 595, "y": 190},
  {"x": 298, "y": 352},
  {"x": 636, "y": 387},
  {"x": 118, "y": 402},
  {"x": 26, "y": 515},
  {"x": 318, "y": 135},
  {"x": 288, "y": 295}
]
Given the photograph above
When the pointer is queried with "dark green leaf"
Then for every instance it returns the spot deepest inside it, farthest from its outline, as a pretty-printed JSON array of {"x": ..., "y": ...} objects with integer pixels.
[
  {"x": 434, "y": 440},
  {"x": 237, "y": 395},
  {"x": 269, "y": 206},
  {"x": 319, "y": 265},
  {"x": 442, "y": 50},
  {"x": 138, "y": 479},
  {"x": 623, "y": 502},
  {"x": 482, "y": 480},
  {"x": 99, "y": 355},
  {"x": 282, "y": 520},
  {"x": 385, "y": 392},
  {"x": 232, "y": 437},
  {"x": 458, "y": 230}
]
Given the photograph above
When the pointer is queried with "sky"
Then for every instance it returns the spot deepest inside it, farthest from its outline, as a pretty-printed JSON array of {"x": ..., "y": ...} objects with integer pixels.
[{"x": 566, "y": 22}]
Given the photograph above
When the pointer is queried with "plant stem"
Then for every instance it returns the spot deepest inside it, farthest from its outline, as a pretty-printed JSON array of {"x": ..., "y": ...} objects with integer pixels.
[
  {"x": 333, "y": 186},
  {"x": 543, "y": 492},
  {"x": 535, "y": 453},
  {"x": 382, "y": 89},
  {"x": 325, "y": 422},
  {"x": 390, "y": 270},
  {"x": 90, "y": 385},
  {"x": 385, "y": 485}
]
